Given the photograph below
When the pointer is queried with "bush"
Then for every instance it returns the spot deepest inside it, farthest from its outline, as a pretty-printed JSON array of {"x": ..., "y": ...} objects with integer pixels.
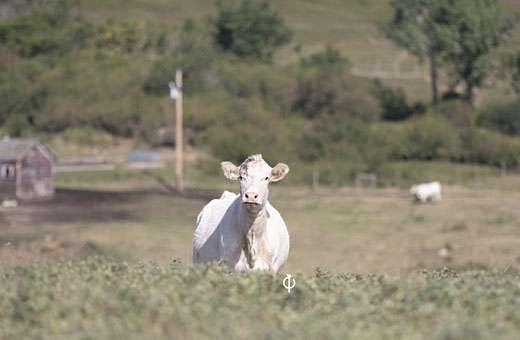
[
  {"x": 123, "y": 37},
  {"x": 393, "y": 103},
  {"x": 504, "y": 117},
  {"x": 320, "y": 82},
  {"x": 47, "y": 29},
  {"x": 250, "y": 28},
  {"x": 487, "y": 147},
  {"x": 430, "y": 138},
  {"x": 18, "y": 93},
  {"x": 234, "y": 142},
  {"x": 325, "y": 87},
  {"x": 86, "y": 136},
  {"x": 194, "y": 53},
  {"x": 334, "y": 137},
  {"x": 458, "y": 112}
]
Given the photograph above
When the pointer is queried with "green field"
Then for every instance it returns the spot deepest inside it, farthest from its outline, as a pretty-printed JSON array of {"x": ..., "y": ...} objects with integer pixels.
[
  {"x": 100, "y": 299},
  {"x": 368, "y": 263},
  {"x": 109, "y": 256}
]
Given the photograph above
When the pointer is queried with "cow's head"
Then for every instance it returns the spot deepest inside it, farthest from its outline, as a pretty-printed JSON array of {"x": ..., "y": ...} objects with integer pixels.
[{"x": 254, "y": 176}]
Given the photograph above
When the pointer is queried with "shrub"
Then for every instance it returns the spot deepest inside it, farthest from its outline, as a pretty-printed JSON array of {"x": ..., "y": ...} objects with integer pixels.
[
  {"x": 334, "y": 137},
  {"x": 430, "y": 138},
  {"x": 393, "y": 137},
  {"x": 194, "y": 53},
  {"x": 123, "y": 37},
  {"x": 86, "y": 136},
  {"x": 487, "y": 147},
  {"x": 457, "y": 111},
  {"x": 504, "y": 117},
  {"x": 320, "y": 82},
  {"x": 250, "y": 28},
  {"x": 274, "y": 87},
  {"x": 49, "y": 28},
  {"x": 18, "y": 93},
  {"x": 393, "y": 103},
  {"x": 325, "y": 87},
  {"x": 236, "y": 142}
]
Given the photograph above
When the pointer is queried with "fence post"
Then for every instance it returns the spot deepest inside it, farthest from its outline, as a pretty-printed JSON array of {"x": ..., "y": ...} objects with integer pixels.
[{"x": 315, "y": 179}]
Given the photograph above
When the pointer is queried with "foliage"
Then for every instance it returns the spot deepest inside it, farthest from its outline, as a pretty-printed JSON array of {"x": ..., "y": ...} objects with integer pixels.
[
  {"x": 419, "y": 27},
  {"x": 431, "y": 138},
  {"x": 103, "y": 299},
  {"x": 321, "y": 81},
  {"x": 86, "y": 136},
  {"x": 64, "y": 73},
  {"x": 394, "y": 104},
  {"x": 458, "y": 34},
  {"x": 415, "y": 27},
  {"x": 457, "y": 111},
  {"x": 332, "y": 137},
  {"x": 50, "y": 29},
  {"x": 503, "y": 117},
  {"x": 487, "y": 147},
  {"x": 515, "y": 73},
  {"x": 477, "y": 27},
  {"x": 194, "y": 53},
  {"x": 250, "y": 28},
  {"x": 20, "y": 97},
  {"x": 122, "y": 36}
]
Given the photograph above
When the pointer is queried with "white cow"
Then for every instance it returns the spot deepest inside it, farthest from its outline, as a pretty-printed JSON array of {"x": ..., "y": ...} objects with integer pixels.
[
  {"x": 426, "y": 192},
  {"x": 244, "y": 231}
]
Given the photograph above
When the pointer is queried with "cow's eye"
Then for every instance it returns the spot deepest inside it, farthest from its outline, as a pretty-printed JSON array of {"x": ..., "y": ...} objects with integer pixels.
[
  {"x": 267, "y": 178},
  {"x": 240, "y": 178}
]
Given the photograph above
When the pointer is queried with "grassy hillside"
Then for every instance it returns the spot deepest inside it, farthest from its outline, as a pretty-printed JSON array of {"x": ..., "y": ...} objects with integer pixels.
[
  {"x": 105, "y": 65},
  {"x": 349, "y": 25},
  {"x": 100, "y": 299}
]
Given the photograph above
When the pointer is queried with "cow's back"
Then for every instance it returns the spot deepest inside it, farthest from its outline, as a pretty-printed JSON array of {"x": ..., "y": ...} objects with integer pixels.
[{"x": 206, "y": 238}]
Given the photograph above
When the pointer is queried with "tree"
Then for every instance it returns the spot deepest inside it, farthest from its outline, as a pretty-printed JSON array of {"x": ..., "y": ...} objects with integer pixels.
[
  {"x": 479, "y": 27},
  {"x": 461, "y": 34},
  {"x": 250, "y": 28},
  {"x": 51, "y": 28},
  {"x": 417, "y": 26},
  {"x": 194, "y": 53}
]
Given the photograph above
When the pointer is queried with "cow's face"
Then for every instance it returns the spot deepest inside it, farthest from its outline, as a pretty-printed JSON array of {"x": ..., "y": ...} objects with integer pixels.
[{"x": 254, "y": 176}]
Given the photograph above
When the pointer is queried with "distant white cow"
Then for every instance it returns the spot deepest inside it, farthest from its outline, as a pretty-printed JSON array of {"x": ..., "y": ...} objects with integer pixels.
[
  {"x": 244, "y": 231},
  {"x": 426, "y": 192}
]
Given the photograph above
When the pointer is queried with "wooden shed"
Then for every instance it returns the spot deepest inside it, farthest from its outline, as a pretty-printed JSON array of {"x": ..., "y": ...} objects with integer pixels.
[{"x": 26, "y": 169}]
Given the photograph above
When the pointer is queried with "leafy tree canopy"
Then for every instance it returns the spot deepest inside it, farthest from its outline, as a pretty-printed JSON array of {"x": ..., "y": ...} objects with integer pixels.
[{"x": 250, "y": 28}]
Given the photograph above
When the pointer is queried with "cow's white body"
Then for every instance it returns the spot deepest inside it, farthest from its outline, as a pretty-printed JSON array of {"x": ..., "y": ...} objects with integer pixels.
[
  {"x": 226, "y": 233},
  {"x": 427, "y": 192}
]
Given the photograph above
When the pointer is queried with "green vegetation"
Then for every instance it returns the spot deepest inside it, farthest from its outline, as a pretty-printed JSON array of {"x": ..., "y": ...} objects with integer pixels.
[
  {"x": 460, "y": 35},
  {"x": 503, "y": 117},
  {"x": 103, "y": 299},
  {"x": 250, "y": 28},
  {"x": 251, "y": 85}
]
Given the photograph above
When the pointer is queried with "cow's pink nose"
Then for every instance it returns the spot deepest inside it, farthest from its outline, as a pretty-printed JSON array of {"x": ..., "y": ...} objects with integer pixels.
[{"x": 251, "y": 196}]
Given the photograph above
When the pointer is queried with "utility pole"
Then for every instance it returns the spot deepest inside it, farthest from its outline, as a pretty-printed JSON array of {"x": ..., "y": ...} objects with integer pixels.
[{"x": 176, "y": 94}]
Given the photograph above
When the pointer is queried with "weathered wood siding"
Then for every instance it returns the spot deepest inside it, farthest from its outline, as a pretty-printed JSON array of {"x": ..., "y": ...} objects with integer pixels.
[
  {"x": 36, "y": 177},
  {"x": 7, "y": 182}
]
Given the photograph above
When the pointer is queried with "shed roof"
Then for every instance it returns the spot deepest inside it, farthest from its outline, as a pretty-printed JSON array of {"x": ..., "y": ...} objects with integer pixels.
[{"x": 12, "y": 148}]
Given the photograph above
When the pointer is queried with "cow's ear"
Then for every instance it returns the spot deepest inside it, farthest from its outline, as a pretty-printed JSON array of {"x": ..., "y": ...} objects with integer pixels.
[
  {"x": 279, "y": 172},
  {"x": 230, "y": 170}
]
